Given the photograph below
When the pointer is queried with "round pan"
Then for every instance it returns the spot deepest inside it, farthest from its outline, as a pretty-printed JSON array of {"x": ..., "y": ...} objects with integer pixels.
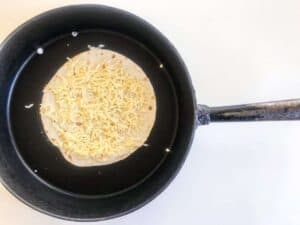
[{"x": 34, "y": 170}]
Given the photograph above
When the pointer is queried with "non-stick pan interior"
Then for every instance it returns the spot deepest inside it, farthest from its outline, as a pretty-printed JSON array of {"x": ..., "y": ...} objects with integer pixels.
[{"x": 44, "y": 160}]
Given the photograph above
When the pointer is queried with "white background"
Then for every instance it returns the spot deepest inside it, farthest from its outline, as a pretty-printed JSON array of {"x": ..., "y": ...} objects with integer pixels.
[{"x": 237, "y": 51}]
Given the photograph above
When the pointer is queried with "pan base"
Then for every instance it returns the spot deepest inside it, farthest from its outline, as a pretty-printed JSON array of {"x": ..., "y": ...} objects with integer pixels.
[{"x": 45, "y": 161}]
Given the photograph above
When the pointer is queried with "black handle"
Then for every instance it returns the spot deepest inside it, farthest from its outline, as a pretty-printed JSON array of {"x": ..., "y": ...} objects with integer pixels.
[{"x": 266, "y": 111}]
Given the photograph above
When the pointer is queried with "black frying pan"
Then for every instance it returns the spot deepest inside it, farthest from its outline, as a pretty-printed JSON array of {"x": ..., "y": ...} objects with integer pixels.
[{"x": 34, "y": 171}]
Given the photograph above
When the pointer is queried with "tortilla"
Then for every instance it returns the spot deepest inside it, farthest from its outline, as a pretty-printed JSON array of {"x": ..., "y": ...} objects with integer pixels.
[{"x": 98, "y": 108}]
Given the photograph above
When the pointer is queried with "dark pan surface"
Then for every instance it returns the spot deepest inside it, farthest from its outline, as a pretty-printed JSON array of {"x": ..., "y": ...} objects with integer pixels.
[{"x": 45, "y": 161}]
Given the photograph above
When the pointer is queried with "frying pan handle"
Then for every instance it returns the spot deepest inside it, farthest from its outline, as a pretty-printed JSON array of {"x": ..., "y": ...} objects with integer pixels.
[{"x": 266, "y": 111}]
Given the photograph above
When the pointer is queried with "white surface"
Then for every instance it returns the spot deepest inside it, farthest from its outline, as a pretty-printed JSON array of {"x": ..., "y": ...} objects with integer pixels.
[{"x": 237, "y": 51}]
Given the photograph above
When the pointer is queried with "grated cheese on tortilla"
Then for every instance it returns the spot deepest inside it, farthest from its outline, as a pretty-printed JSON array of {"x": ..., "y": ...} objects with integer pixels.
[{"x": 98, "y": 110}]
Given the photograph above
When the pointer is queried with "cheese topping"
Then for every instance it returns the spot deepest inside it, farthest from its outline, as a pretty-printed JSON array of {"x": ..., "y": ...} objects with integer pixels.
[{"x": 99, "y": 109}]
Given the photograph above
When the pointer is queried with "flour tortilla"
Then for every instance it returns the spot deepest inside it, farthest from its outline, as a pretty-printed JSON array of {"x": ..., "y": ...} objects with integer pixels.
[{"x": 97, "y": 56}]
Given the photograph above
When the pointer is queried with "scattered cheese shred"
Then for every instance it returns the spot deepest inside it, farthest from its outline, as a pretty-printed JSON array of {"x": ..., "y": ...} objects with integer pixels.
[{"x": 29, "y": 106}]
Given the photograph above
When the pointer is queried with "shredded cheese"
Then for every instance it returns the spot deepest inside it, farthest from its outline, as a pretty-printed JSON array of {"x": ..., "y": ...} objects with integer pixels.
[
  {"x": 28, "y": 106},
  {"x": 99, "y": 110}
]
